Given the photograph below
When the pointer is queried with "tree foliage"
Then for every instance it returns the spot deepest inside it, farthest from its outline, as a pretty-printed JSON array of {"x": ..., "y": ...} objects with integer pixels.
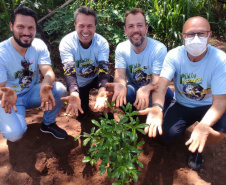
[{"x": 165, "y": 17}]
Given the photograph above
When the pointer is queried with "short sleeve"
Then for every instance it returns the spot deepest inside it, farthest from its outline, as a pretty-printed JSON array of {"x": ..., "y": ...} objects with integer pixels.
[
  {"x": 3, "y": 72},
  {"x": 159, "y": 59},
  {"x": 168, "y": 68},
  {"x": 65, "y": 48},
  {"x": 120, "y": 61},
  {"x": 44, "y": 56},
  {"x": 218, "y": 81},
  {"x": 103, "y": 54}
]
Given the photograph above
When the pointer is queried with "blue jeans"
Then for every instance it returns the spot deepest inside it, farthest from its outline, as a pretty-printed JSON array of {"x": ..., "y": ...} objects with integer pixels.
[
  {"x": 13, "y": 126},
  {"x": 132, "y": 90}
]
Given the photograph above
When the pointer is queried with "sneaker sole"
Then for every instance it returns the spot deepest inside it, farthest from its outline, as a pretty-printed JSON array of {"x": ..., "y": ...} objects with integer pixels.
[{"x": 52, "y": 134}]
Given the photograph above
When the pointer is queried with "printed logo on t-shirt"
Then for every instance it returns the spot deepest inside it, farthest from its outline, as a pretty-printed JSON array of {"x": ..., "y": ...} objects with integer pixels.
[
  {"x": 86, "y": 68},
  {"x": 192, "y": 86},
  {"x": 25, "y": 76},
  {"x": 139, "y": 75}
]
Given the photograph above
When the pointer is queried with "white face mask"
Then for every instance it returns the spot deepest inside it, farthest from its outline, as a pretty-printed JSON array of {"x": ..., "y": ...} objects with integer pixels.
[{"x": 196, "y": 46}]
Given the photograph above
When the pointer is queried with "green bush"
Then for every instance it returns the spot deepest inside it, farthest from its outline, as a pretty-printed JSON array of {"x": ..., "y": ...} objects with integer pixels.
[{"x": 116, "y": 145}]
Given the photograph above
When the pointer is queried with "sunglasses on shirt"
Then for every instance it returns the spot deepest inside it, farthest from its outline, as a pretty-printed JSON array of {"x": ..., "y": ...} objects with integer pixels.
[{"x": 25, "y": 65}]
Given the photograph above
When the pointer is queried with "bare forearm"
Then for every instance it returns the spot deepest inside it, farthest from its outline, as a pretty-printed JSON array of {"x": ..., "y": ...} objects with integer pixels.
[
  {"x": 120, "y": 80},
  {"x": 49, "y": 78},
  {"x": 48, "y": 74},
  {"x": 120, "y": 76},
  {"x": 213, "y": 114},
  {"x": 158, "y": 95}
]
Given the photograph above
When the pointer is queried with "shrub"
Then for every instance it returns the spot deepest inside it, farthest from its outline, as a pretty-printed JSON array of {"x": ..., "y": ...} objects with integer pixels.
[{"x": 116, "y": 144}]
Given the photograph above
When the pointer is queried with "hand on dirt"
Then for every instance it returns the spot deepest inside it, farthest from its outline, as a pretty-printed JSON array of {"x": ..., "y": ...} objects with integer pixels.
[
  {"x": 74, "y": 104},
  {"x": 154, "y": 119},
  {"x": 47, "y": 99},
  {"x": 9, "y": 98},
  {"x": 199, "y": 137},
  {"x": 142, "y": 97},
  {"x": 119, "y": 95}
]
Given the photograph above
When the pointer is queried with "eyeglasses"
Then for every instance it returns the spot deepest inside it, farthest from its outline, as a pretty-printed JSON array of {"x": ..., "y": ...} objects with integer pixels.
[
  {"x": 25, "y": 65},
  {"x": 199, "y": 34}
]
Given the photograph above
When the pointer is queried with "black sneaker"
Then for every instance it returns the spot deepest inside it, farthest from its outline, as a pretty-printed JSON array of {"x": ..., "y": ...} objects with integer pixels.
[
  {"x": 53, "y": 129},
  {"x": 195, "y": 161}
]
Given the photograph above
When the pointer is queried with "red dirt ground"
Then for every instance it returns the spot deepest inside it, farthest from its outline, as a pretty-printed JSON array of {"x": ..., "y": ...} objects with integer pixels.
[{"x": 40, "y": 159}]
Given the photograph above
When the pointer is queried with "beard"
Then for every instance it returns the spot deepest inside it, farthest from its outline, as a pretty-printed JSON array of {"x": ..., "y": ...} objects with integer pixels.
[
  {"x": 138, "y": 44},
  {"x": 24, "y": 45}
]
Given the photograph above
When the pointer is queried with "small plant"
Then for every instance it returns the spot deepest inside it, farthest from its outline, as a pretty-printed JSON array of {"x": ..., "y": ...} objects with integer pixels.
[{"x": 116, "y": 144}]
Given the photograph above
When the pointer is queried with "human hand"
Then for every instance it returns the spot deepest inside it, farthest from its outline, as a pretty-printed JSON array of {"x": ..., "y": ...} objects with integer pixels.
[
  {"x": 119, "y": 95},
  {"x": 9, "y": 98},
  {"x": 199, "y": 137},
  {"x": 47, "y": 99},
  {"x": 74, "y": 104},
  {"x": 142, "y": 96},
  {"x": 101, "y": 100},
  {"x": 154, "y": 120}
]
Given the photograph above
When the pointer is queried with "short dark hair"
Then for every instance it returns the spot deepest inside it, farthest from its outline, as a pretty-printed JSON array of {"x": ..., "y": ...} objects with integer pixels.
[
  {"x": 134, "y": 12},
  {"x": 23, "y": 10},
  {"x": 87, "y": 11}
]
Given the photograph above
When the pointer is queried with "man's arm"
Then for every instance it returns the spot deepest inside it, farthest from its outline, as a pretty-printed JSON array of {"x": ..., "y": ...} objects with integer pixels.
[
  {"x": 155, "y": 113},
  {"x": 120, "y": 76},
  {"x": 215, "y": 112},
  {"x": 48, "y": 74},
  {"x": 103, "y": 78},
  {"x": 158, "y": 95},
  {"x": 119, "y": 87},
  {"x": 46, "y": 95},
  {"x": 103, "y": 74},
  {"x": 74, "y": 101}
]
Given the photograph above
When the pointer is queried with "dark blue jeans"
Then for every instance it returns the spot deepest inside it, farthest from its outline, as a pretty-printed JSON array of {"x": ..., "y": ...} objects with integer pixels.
[{"x": 178, "y": 118}]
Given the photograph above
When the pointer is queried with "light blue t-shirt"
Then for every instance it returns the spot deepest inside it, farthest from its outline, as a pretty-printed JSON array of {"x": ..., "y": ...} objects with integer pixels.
[
  {"x": 85, "y": 60},
  {"x": 196, "y": 82},
  {"x": 22, "y": 73},
  {"x": 140, "y": 67}
]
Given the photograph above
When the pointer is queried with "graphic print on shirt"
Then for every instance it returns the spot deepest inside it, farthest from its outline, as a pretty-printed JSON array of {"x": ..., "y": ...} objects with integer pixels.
[
  {"x": 25, "y": 76},
  {"x": 103, "y": 67},
  {"x": 139, "y": 74},
  {"x": 192, "y": 86},
  {"x": 86, "y": 68}
]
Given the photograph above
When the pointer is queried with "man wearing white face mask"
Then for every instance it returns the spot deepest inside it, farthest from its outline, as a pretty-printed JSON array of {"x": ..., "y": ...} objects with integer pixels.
[{"x": 199, "y": 73}]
